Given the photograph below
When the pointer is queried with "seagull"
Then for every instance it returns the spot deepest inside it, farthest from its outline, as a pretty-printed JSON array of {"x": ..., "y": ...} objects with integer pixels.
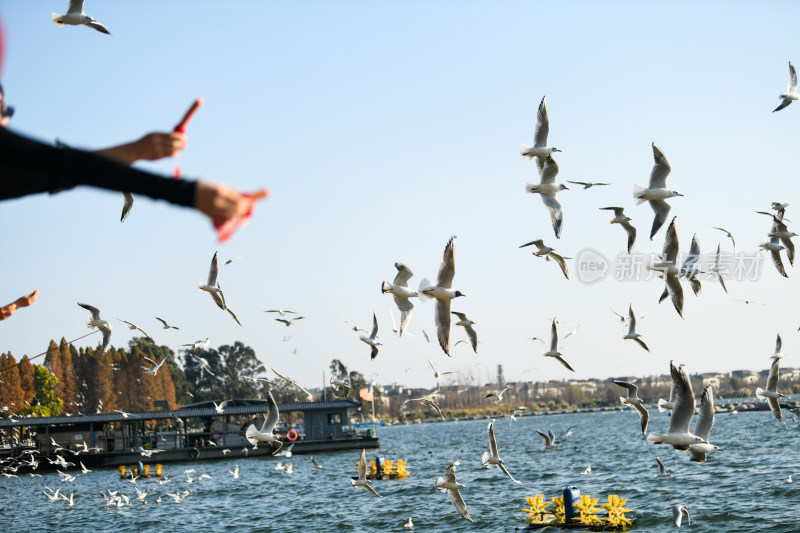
[
  {"x": 702, "y": 428},
  {"x": 197, "y": 345},
  {"x": 466, "y": 323},
  {"x": 677, "y": 514},
  {"x": 265, "y": 434},
  {"x": 664, "y": 405},
  {"x": 632, "y": 335},
  {"x": 362, "y": 481},
  {"x": 220, "y": 407},
  {"x": 774, "y": 247},
  {"x": 791, "y": 89},
  {"x": 52, "y": 496},
  {"x": 127, "y": 205},
  {"x": 443, "y": 292},
  {"x": 546, "y": 251},
  {"x": 166, "y": 326},
  {"x": 452, "y": 486},
  {"x": 624, "y": 221},
  {"x": 316, "y": 464},
  {"x": 549, "y": 439},
  {"x": 342, "y": 380},
  {"x": 153, "y": 370},
  {"x": 587, "y": 185},
  {"x": 399, "y": 289},
  {"x": 778, "y": 346},
  {"x": 409, "y": 524},
  {"x": 281, "y": 312},
  {"x": 355, "y": 328},
  {"x": 678, "y": 434},
  {"x": 289, "y": 322},
  {"x": 657, "y": 193},
  {"x": 779, "y": 230},
  {"x": 554, "y": 353},
  {"x": 662, "y": 472},
  {"x": 428, "y": 402},
  {"x": 788, "y": 479},
  {"x": 573, "y": 332},
  {"x": 290, "y": 382},
  {"x": 587, "y": 470},
  {"x": 131, "y": 325},
  {"x": 634, "y": 401},
  {"x": 540, "y": 150},
  {"x": 203, "y": 363},
  {"x": 234, "y": 472},
  {"x": 547, "y": 188},
  {"x": 492, "y": 457},
  {"x": 498, "y": 396},
  {"x": 729, "y": 235},
  {"x": 771, "y": 393},
  {"x": 372, "y": 339},
  {"x": 212, "y": 288},
  {"x": 716, "y": 271},
  {"x": 96, "y": 322},
  {"x": 76, "y": 17},
  {"x": 669, "y": 268},
  {"x": 436, "y": 373},
  {"x": 232, "y": 259}
]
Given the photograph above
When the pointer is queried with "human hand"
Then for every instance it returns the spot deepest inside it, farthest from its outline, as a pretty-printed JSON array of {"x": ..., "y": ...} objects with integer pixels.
[
  {"x": 158, "y": 145},
  {"x": 227, "y": 208},
  {"x": 23, "y": 301}
]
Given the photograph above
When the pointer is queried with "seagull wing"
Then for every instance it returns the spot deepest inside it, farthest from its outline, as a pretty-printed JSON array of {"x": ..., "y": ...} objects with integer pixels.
[
  {"x": 473, "y": 339},
  {"x": 542, "y": 125},
  {"x": 99, "y": 27},
  {"x": 362, "y": 465},
  {"x": 403, "y": 275},
  {"x": 560, "y": 260},
  {"x": 702, "y": 428},
  {"x": 371, "y": 490},
  {"x": 406, "y": 311},
  {"x": 641, "y": 343},
  {"x": 644, "y": 416},
  {"x": 458, "y": 503},
  {"x": 684, "y": 401},
  {"x": 272, "y": 414},
  {"x": 774, "y": 374},
  {"x": 549, "y": 170},
  {"x": 230, "y": 312},
  {"x": 563, "y": 362},
  {"x": 661, "y": 469},
  {"x": 554, "y": 337},
  {"x": 632, "y": 389},
  {"x": 658, "y": 176},
  {"x": 776, "y": 258},
  {"x": 374, "y": 333},
  {"x": 492, "y": 441},
  {"x": 661, "y": 209},
  {"x": 503, "y": 470},
  {"x": 95, "y": 311},
  {"x": 670, "y": 251},
  {"x": 212, "y": 271},
  {"x": 126, "y": 206},
  {"x": 628, "y": 227},
  {"x": 676, "y": 292},
  {"x": 792, "y": 87},
  {"x": 447, "y": 270},
  {"x": 442, "y": 321}
]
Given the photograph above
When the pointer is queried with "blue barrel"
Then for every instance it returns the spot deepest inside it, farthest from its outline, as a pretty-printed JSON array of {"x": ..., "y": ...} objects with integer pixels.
[{"x": 571, "y": 496}]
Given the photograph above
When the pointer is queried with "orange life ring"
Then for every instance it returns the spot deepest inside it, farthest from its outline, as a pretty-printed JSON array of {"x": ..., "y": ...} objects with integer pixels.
[
  {"x": 216, "y": 436},
  {"x": 291, "y": 435}
]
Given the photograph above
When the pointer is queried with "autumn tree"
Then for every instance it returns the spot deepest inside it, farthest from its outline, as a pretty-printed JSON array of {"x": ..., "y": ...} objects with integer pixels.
[
  {"x": 12, "y": 397},
  {"x": 26, "y": 379}
]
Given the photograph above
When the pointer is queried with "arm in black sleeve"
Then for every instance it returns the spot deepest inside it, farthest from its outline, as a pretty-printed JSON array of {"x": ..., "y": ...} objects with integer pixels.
[{"x": 28, "y": 166}]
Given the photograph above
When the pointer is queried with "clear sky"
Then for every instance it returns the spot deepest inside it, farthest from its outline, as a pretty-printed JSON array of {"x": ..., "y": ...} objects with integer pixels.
[{"x": 383, "y": 128}]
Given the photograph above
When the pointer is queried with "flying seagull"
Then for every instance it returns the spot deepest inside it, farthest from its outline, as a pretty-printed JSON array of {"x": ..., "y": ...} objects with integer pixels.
[
  {"x": 729, "y": 235},
  {"x": 554, "y": 353},
  {"x": 548, "y": 252},
  {"x": 290, "y": 321},
  {"x": 774, "y": 247},
  {"x": 678, "y": 434},
  {"x": 450, "y": 485},
  {"x": 492, "y": 457},
  {"x": 436, "y": 373},
  {"x": 353, "y": 326},
  {"x": 76, "y": 17},
  {"x": 290, "y": 382},
  {"x": 212, "y": 288},
  {"x": 587, "y": 185},
  {"x": 669, "y": 268},
  {"x": 539, "y": 150},
  {"x": 466, "y": 323},
  {"x": 625, "y": 222},
  {"x": 361, "y": 482},
  {"x": 791, "y": 90},
  {"x": 702, "y": 428},
  {"x": 779, "y": 230},
  {"x": 444, "y": 293},
  {"x": 95, "y": 321},
  {"x": 265, "y": 434},
  {"x": 166, "y": 326},
  {"x": 632, "y": 335},
  {"x": 428, "y": 402},
  {"x": 372, "y": 339},
  {"x": 662, "y": 472},
  {"x": 677, "y": 514},
  {"x": 664, "y": 405},
  {"x": 399, "y": 289},
  {"x": 656, "y": 193},
  {"x": 716, "y": 270},
  {"x": 498, "y": 396},
  {"x": 131, "y": 325},
  {"x": 547, "y": 188},
  {"x": 549, "y": 439},
  {"x": 771, "y": 393},
  {"x": 634, "y": 401},
  {"x": 153, "y": 370},
  {"x": 341, "y": 381}
]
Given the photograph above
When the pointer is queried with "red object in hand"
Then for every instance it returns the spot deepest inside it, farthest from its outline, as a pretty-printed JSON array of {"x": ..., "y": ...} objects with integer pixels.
[
  {"x": 181, "y": 128},
  {"x": 224, "y": 231}
]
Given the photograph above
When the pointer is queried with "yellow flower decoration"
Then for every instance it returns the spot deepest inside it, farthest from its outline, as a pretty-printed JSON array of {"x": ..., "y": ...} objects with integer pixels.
[
  {"x": 559, "y": 503},
  {"x": 400, "y": 468},
  {"x": 588, "y": 510},
  {"x": 537, "y": 510},
  {"x": 616, "y": 511}
]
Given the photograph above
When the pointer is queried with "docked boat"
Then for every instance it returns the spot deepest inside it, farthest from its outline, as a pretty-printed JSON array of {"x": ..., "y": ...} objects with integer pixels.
[{"x": 196, "y": 432}]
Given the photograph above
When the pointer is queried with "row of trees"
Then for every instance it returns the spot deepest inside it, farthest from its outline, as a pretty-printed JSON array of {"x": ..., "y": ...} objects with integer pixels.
[{"x": 87, "y": 380}]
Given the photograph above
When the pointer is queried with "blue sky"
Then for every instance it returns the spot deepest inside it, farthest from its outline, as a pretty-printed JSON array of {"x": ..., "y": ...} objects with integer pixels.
[{"x": 381, "y": 129}]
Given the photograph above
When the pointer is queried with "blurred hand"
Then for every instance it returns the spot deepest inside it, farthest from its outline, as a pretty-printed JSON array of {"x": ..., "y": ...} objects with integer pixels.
[
  {"x": 157, "y": 145},
  {"x": 221, "y": 203}
]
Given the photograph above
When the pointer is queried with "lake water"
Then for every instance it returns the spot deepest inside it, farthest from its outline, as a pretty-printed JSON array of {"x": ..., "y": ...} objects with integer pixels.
[{"x": 739, "y": 489}]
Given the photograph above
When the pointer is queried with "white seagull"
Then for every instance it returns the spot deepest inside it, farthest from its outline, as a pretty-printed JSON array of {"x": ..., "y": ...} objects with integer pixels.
[
  {"x": 290, "y": 382},
  {"x": 547, "y": 188},
  {"x": 444, "y": 293},
  {"x": 453, "y": 488},
  {"x": 549, "y": 439},
  {"x": 540, "y": 150},
  {"x": 702, "y": 428},
  {"x": 554, "y": 353},
  {"x": 436, "y": 373},
  {"x": 289, "y": 322},
  {"x": 549, "y": 253},
  {"x": 372, "y": 339},
  {"x": 780, "y": 230},
  {"x": 664, "y": 405},
  {"x": 153, "y": 370},
  {"x": 771, "y": 393},
  {"x": 678, "y": 434},
  {"x": 399, "y": 289},
  {"x": 466, "y": 323},
  {"x": 133, "y": 326},
  {"x": 624, "y": 221},
  {"x": 265, "y": 434},
  {"x": 729, "y": 235},
  {"x": 586, "y": 184},
  {"x": 677, "y": 514},
  {"x": 716, "y": 270},
  {"x": 281, "y": 312},
  {"x": 632, "y": 335},
  {"x": 76, "y": 17},
  {"x": 212, "y": 288},
  {"x": 166, "y": 326},
  {"x": 341, "y": 381},
  {"x": 791, "y": 90},
  {"x": 498, "y": 396},
  {"x": 662, "y": 472},
  {"x": 362, "y": 482},
  {"x": 657, "y": 192},
  {"x": 634, "y": 401},
  {"x": 95, "y": 321},
  {"x": 492, "y": 457},
  {"x": 669, "y": 268}
]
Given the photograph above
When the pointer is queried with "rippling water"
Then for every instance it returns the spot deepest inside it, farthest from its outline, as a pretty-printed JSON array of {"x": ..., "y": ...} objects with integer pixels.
[{"x": 739, "y": 489}]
